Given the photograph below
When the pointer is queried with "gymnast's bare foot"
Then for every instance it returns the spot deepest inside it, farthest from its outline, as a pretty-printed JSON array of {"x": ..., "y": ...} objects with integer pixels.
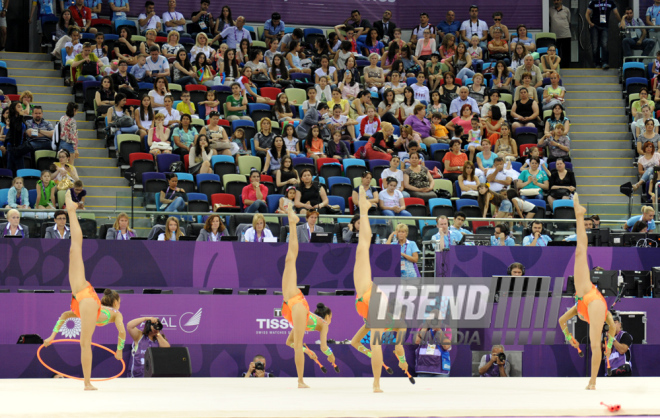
[
  {"x": 591, "y": 385},
  {"x": 579, "y": 209},
  {"x": 377, "y": 388},
  {"x": 88, "y": 386},
  {"x": 301, "y": 384},
  {"x": 293, "y": 218}
]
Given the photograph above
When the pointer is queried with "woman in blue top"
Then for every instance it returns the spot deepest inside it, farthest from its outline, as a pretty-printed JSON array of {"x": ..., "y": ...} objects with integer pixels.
[
  {"x": 647, "y": 215},
  {"x": 485, "y": 160},
  {"x": 533, "y": 178},
  {"x": 409, "y": 251}
]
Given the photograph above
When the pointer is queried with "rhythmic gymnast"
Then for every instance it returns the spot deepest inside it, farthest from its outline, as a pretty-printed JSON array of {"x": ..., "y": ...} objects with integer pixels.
[
  {"x": 85, "y": 303},
  {"x": 590, "y": 305},
  {"x": 363, "y": 284},
  {"x": 296, "y": 310}
]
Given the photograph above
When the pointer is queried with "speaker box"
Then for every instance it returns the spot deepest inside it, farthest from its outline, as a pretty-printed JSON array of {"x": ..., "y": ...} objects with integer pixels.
[{"x": 167, "y": 362}]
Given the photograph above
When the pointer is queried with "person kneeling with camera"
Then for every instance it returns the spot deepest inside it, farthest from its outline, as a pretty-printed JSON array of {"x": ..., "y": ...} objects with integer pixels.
[
  {"x": 258, "y": 368},
  {"x": 495, "y": 364},
  {"x": 150, "y": 336}
]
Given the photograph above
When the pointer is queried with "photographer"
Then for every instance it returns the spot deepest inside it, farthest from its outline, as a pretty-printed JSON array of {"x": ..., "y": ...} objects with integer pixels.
[
  {"x": 257, "y": 368},
  {"x": 495, "y": 364},
  {"x": 620, "y": 357},
  {"x": 150, "y": 336}
]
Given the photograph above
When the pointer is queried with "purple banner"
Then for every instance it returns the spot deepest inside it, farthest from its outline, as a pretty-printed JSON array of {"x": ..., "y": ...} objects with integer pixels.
[
  {"x": 404, "y": 13},
  {"x": 464, "y": 261},
  {"x": 44, "y": 262}
]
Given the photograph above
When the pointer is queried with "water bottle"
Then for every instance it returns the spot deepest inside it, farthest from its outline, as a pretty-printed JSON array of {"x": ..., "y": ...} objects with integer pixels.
[
  {"x": 287, "y": 237},
  {"x": 243, "y": 236},
  {"x": 334, "y": 239},
  {"x": 377, "y": 238}
]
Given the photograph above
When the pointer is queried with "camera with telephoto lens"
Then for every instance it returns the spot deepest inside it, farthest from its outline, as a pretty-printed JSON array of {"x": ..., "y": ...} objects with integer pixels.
[
  {"x": 501, "y": 357},
  {"x": 258, "y": 366},
  {"x": 149, "y": 325}
]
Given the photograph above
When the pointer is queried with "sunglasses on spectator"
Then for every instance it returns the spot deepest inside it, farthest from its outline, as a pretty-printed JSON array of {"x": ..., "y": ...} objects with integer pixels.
[{"x": 498, "y": 19}]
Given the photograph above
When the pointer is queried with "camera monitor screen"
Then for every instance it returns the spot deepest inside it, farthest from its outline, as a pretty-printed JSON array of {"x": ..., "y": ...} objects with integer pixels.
[
  {"x": 637, "y": 283},
  {"x": 606, "y": 280}
]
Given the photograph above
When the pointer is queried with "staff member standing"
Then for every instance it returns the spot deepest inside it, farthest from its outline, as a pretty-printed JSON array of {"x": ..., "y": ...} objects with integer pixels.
[
  {"x": 620, "y": 357},
  {"x": 598, "y": 18},
  {"x": 142, "y": 340}
]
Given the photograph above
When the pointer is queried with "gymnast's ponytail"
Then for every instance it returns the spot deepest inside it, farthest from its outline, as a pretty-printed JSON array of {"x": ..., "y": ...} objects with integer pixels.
[
  {"x": 322, "y": 310},
  {"x": 109, "y": 297}
]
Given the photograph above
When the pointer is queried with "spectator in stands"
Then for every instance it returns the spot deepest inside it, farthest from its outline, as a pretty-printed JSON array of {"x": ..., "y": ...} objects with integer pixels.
[
  {"x": 273, "y": 29},
  {"x": 393, "y": 172},
  {"x": 171, "y": 199},
  {"x": 172, "y": 116},
  {"x": 62, "y": 30},
  {"x": 170, "y": 48},
  {"x": 533, "y": 180},
  {"x": 474, "y": 26},
  {"x": 13, "y": 225},
  {"x": 550, "y": 62},
  {"x": 449, "y": 26},
  {"x": 258, "y": 231},
  {"x": 172, "y": 230},
  {"x": 646, "y": 165},
  {"x": 527, "y": 85},
  {"x": 202, "y": 20},
  {"x": 285, "y": 44},
  {"x": 391, "y": 199},
  {"x": 463, "y": 120},
  {"x": 457, "y": 226},
  {"x": 119, "y": 118},
  {"x": 505, "y": 146},
  {"x": 120, "y": 229},
  {"x": 498, "y": 48},
  {"x": 125, "y": 51},
  {"x": 306, "y": 230},
  {"x": 562, "y": 182},
  {"x": 39, "y": 130},
  {"x": 184, "y": 135},
  {"x": 496, "y": 176},
  {"x": 64, "y": 170},
  {"x": 453, "y": 161},
  {"x": 144, "y": 116},
  {"x": 525, "y": 111},
  {"x": 18, "y": 196},
  {"x": 491, "y": 365},
  {"x": 263, "y": 141},
  {"x": 213, "y": 229},
  {"x": 385, "y": 27},
  {"x": 420, "y": 124},
  {"x": 86, "y": 64},
  {"x": 497, "y": 24},
  {"x": 417, "y": 179},
  {"x": 310, "y": 196},
  {"x": 536, "y": 238},
  {"x": 520, "y": 207},
  {"x": 523, "y": 37},
  {"x": 202, "y": 47},
  {"x": 158, "y": 136},
  {"x": 461, "y": 63},
  {"x": 158, "y": 93},
  {"x": 558, "y": 116},
  {"x": 379, "y": 145},
  {"x": 25, "y": 102},
  {"x": 173, "y": 20},
  {"x": 371, "y": 191},
  {"x": 105, "y": 96},
  {"x": 200, "y": 156},
  {"x": 409, "y": 251},
  {"x": 119, "y": 9},
  {"x": 425, "y": 46},
  {"x": 150, "y": 20},
  {"x": 69, "y": 131},
  {"x": 458, "y": 103},
  {"x": 313, "y": 117},
  {"x": 157, "y": 66},
  {"x": 78, "y": 194},
  {"x": 647, "y": 216},
  {"x": 224, "y": 21},
  {"x": 274, "y": 156},
  {"x": 287, "y": 176},
  {"x": 82, "y": 15},
  {"x": 235, "y": 34},
  {"x": 501, "y": 237},
  {"x": 560, "y": 25},
  {"x": 634, "y": 38},
  {"x": 553, "y": 93},
  {"x": 59, "y": 230},
  {"x": 468, "y": 181},
  {"x": 254, "y": 194},
  {"x": 46, "y": 189},
  {"x": 531, "y": 68},
  {"x": 124, "y": 82},
  {"x": 351, "y": 229},
  {"x": 645, "y": 128},
  {"x": 600, "y": 10},
  {"x": 559, "y": 144},
  {"x": 445, "y": 237},
  {"x": 644, "y": 99}
]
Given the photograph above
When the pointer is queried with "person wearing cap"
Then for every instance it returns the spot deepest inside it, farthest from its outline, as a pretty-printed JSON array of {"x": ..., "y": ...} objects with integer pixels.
[
  {"x": 306, "y": 230},
  {"x": 620, "y": 358},
  {"x": 273, "y": 29}
]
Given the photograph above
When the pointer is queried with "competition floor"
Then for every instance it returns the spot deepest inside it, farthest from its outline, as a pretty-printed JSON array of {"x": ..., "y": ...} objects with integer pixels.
[{"x": 329, "y": 397}]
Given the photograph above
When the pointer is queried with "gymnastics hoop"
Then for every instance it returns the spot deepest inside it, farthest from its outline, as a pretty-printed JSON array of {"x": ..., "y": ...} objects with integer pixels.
[{"x": 123, "y": 364}]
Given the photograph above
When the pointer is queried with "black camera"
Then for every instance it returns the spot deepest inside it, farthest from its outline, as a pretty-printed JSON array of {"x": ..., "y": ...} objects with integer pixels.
[
  {"x": 502, "y": 357},
  {"x": 258, "y": 366},
  {"x": 149, "y": 325}
]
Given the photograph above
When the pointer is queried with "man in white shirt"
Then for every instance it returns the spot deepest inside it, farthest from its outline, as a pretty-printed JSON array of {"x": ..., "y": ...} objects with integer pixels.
[
  {"x": 474, "y": 26},
  {"x": 173, "y": 20},
  {"x": 157, "y": 65},
  {"x": 418, "y": 32},
  {"x": 497, "y": 177},
  {"x": 462, "y": 99},
  {"x": 150, "y": 19},
  {"x": 233, "y": 35}
]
